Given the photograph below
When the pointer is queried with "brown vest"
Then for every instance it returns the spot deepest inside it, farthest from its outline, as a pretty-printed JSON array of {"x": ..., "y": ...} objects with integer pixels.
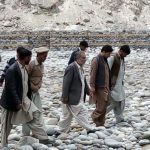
[{"x": 115, "y": 69}]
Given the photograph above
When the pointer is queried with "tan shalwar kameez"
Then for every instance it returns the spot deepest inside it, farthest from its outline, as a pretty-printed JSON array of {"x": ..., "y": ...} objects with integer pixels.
[{"x": 100, "y": 95}]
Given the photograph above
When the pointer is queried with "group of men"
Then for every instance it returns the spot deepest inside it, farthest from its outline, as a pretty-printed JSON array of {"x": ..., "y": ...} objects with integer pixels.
[
  {"x": 105, "y": 88},
  {"x": 21, "y": 103},
  {"x": 20, "y": 99}
]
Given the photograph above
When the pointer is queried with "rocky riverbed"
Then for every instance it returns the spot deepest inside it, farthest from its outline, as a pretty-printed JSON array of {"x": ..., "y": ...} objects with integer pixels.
[{"x": 134, "y": 134}]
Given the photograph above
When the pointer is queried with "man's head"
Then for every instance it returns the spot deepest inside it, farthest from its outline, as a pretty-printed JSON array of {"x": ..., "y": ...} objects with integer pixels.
[
  {"x": 42, "y": 53},
  {"x": 124, "y": 51},
  {"x": 106, "y": 51},
  {"x": 24, "y": 55},
  {"x": 83, "y": 45},
  {"x": 18, "y": 50},
  {"x": 80, "y": 58}
]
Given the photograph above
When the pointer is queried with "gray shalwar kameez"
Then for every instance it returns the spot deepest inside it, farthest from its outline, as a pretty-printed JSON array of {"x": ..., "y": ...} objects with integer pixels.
[{"x": 79, "y": 112}]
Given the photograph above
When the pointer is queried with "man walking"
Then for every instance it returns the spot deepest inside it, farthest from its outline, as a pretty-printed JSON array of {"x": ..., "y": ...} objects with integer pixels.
[
  {"x": 9, "y": 63},
  {"x": 35, "y": 72},
  {"x": 17, "y": 108},
  {"x": 100, "y": 84},
  {"x": 74, "y": 91},
  {"x": 82, "y": 47},
  {"x": 117, "y": 67}
]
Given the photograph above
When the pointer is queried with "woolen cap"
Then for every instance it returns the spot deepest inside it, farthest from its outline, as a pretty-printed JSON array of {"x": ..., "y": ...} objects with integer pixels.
[{"x": 41, "y": 49}]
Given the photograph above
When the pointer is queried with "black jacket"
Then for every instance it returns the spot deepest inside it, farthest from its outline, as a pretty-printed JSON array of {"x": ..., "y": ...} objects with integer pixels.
[
  {"x": 13, "y": 90},
  {"x": 73, "y": 55},
  {"x": 9, "y": 63}
]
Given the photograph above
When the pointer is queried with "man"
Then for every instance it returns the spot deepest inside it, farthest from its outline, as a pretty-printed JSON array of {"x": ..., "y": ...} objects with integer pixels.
[
  {"x": 82, "y": 47},
  {"x": 35, "y": 72},
  {"x": 17, "y": 108},
  {"x": 100, "y": 84},
  {"x": 74, "y": 91},
  {"x": 117, "y": 67},
  {"x": 9, "y": 63}
]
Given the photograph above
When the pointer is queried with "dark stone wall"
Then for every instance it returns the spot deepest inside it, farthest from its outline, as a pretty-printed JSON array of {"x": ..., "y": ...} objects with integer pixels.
[{"x": 66, "y": 39}]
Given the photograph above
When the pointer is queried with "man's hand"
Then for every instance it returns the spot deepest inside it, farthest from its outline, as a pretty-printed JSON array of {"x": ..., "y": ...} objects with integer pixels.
[
  {"x": 92, "y": 91},
  {"x": 65, "y": 100},
  {"x": 1, "y": 82},
  {"x": 18, "y": 107}
]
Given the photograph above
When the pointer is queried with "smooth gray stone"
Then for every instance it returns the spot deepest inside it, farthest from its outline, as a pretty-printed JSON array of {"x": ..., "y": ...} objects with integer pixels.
[
  {"x": 144, "y": 142},
  {"x": 93, "y": 135},
  {"x": 50, "y": 130},
  {"x": 113, "y": 143},
  {"x": 5, "y": 148},
  {"x": 25, "y": 147},
  {"x": 89, "y": 142},
  {"x": 15, "y": 137},
  {"x": 38, "y": 146},
  {"x": 146, "y": 135},
  {"x": 84, "y": 137},
  {"x": 70, "y": 147},
  {"x": 27, "y": 140},
  {"x": 101, "y": 135}
]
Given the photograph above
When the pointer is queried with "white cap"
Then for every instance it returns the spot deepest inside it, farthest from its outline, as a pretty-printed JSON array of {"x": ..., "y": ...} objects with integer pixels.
[{"x": 41, "y": 49}]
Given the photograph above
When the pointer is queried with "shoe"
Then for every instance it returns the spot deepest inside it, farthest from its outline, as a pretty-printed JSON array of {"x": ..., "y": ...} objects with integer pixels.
[
  {"x": 46, "y": 141},
  {"x": 56, "y": 134},
  {"x": 91, "y": 131},
  {"x": 121, "y": 120}
]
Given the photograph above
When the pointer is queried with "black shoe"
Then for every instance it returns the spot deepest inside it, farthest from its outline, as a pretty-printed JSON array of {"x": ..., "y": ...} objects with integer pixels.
[
  {"x": 91, "y": 131},
  {"x": 46, "y": 141},
  {"x": 56, "y": 134},
  {"x": 119, "y": 121}
]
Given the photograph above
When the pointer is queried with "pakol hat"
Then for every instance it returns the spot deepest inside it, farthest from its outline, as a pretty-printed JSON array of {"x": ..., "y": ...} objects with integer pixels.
[{"x": 41, "y": 49}]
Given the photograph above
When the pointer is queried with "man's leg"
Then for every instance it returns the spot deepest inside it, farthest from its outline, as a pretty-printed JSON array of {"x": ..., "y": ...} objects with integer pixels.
[
  {"x": 6, "y": 126},
  {"x": 25, "y": 130},
  {"x": 99, "y": 113},
  {"x": 37, "y": 127},
  {"x": 110, "y": 107},
  {"x": 37, "y": 101},
  {"x": 118, "y": 110},
  {"x": 83, "y": 120},
  {"x": 65, "y": 122}
]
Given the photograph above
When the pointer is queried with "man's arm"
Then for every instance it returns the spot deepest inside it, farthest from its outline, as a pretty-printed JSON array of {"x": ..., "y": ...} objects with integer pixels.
[
  {"x": 67, "y": 80},
  {"x": 30, "y": 67},
  {"x": 30, "y": 70},
  {"x": 10, "y": 85},
  {"x": 93, "y": 72},
  {"x": 87, "y": 87}
]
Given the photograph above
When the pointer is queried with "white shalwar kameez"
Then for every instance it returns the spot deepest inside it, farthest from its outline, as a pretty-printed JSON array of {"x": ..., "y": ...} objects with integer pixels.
[{"x": 118, "y": 93}]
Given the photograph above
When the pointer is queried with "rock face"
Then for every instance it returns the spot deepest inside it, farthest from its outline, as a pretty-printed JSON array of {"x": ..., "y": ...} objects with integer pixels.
[{"x": 102, "y": 15}]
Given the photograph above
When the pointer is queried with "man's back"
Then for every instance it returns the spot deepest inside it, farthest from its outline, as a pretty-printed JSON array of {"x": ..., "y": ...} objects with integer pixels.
[
  {"x": 9, "y": 63},
  {"x": 73, "y": 55},
  {"x": 12, "y": 93}
]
